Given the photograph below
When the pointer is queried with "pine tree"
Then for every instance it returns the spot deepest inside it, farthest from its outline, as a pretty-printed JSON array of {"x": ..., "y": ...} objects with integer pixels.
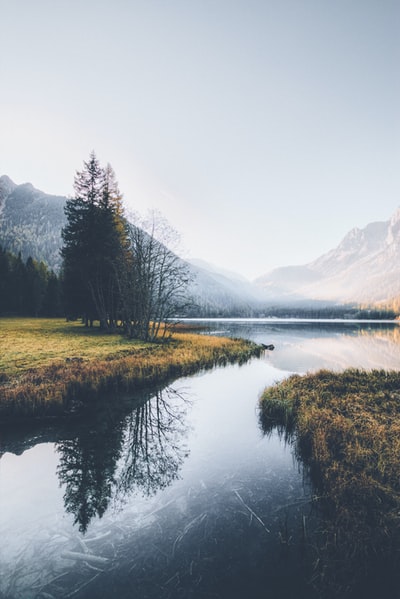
[
  {"x": 75, "y": 253},
  {"x": 52, "y": 304},
  {"x": 94, "y": 244},
  {"x": 34, "y": 287},
  {"x": 5, "y": 282},
  {"x": 18, "y": 290}
]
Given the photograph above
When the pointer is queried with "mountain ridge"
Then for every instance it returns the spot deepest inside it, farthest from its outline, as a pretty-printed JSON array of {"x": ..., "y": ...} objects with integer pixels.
[
  {"x": 31, "y": 222},
  {"x": 364, "y": 267}
]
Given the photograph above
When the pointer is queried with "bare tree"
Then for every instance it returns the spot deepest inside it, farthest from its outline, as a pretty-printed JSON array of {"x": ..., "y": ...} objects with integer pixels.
[{"x": 155, "y": 280}]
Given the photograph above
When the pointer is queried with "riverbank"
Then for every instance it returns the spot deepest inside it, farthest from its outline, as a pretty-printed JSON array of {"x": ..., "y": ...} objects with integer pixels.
[
  {"x": 50, "y": 367},
  {"x": 345, "y": 429}
]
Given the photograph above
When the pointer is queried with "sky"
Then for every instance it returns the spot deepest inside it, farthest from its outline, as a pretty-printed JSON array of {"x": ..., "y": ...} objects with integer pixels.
[{"x": 263, "y": 130}]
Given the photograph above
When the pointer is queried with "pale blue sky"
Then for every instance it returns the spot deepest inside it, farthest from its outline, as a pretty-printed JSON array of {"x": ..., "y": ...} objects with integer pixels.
[{"x": 263, "y": 130}]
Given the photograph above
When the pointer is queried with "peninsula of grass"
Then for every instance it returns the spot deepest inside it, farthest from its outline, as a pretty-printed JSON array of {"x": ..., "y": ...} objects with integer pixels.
[
  {"x": 48, "y": 367},
  {"x": 345, "y": 428}
]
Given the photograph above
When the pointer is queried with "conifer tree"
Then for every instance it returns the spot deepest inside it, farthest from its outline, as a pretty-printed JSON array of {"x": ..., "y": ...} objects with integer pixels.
[
  {"x": 5, "y": 282},
  {"x": 94, "y": 242},
  {"x": 35, "y": 286}
]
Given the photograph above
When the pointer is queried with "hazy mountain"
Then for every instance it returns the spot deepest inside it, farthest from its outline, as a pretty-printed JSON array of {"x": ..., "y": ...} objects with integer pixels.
[
  {"x": 228, "y": 274},
  {"x": 364, "y": 267},
  {"x": 219, "y": 291},
  {"x": 31, "y": 222}
]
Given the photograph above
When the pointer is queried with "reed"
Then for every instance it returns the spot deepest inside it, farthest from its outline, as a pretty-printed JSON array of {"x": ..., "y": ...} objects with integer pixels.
[
  {"x": 51, "y": 367},
  {"x": 345, "y": 428},
  {"x": 345, "y": 422}
]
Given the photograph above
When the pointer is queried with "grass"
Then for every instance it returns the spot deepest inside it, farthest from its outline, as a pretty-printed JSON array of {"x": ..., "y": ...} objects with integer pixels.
[
  {"x": 345, "y": 427},
  {"x": 49, "y": 366},
  {"x": 28, "y": 343}
]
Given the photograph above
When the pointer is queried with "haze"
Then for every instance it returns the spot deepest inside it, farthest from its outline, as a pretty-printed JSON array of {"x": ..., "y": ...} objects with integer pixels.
[{"x": 263, "y": 130}]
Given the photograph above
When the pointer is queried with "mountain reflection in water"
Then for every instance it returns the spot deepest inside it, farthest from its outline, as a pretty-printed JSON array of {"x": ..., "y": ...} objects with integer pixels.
[{"x": 308, "y": 345}]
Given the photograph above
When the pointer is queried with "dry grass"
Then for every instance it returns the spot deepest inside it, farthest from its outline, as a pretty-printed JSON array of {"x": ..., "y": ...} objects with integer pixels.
[
  {"x": 345, "y": 427},
  {"x": 29, "y": 342},
  {"x": 51, "y": 367}
]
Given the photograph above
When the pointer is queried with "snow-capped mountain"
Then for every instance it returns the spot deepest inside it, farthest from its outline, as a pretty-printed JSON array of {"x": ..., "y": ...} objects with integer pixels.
[{"x": 364, "y": 267}]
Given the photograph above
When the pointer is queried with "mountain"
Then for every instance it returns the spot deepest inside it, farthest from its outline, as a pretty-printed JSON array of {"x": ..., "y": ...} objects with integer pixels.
[
  {"x": 31, "y": 222},
  {"x": 217, "y": 291},
  {"x": 228, "y": 274},
  {"x": 363, "y": 268}
]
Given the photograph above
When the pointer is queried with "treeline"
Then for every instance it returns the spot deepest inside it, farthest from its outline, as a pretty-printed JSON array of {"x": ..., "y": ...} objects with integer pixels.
[
  {"x": 346, "y": 312},
  {"x": 28, "y": 288},
  {"x": 312, "y": 311}
]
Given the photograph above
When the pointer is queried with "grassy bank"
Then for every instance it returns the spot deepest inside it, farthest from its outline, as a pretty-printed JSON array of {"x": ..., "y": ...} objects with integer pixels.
[
  {"x": 49, "y": 366},
  {"x": 345, "y": 428}
]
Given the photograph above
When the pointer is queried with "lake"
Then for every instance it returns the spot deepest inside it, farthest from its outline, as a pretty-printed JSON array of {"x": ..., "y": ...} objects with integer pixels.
[{"x": 175, "y": 492}]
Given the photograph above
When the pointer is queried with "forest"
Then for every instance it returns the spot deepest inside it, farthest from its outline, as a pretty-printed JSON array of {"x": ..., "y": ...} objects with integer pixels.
[{"x": 28, "y": 288}]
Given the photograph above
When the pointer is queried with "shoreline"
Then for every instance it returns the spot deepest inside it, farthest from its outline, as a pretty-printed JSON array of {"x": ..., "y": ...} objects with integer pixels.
[
  {"x": 66, "y": 385},
  {"x": 343, "y": 427}
]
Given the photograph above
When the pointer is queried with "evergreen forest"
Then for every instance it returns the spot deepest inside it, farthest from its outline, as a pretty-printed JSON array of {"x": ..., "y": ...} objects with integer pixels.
[{"x": 28, "y": 288}]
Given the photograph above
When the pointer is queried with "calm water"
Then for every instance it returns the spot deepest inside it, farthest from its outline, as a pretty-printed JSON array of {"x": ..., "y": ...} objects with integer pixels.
[{"x": 175, "y": 492}]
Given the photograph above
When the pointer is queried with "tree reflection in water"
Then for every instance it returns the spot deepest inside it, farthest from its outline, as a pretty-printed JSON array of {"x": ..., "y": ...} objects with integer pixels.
[
  {"x": 153, "y": 447},
  {"x": 87, "y": 466},
  {"x": 118, "y": 454}
]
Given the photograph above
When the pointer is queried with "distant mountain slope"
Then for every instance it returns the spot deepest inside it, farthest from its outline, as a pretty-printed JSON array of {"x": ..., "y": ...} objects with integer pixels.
[
  {"x": 364, "y": 267},
  {"x": 31, "y": 222},
  {"x": 218, "y": 291}
]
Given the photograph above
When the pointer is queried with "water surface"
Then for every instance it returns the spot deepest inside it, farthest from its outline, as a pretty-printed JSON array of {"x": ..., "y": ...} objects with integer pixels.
[{"x": 174, "y": 492}]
